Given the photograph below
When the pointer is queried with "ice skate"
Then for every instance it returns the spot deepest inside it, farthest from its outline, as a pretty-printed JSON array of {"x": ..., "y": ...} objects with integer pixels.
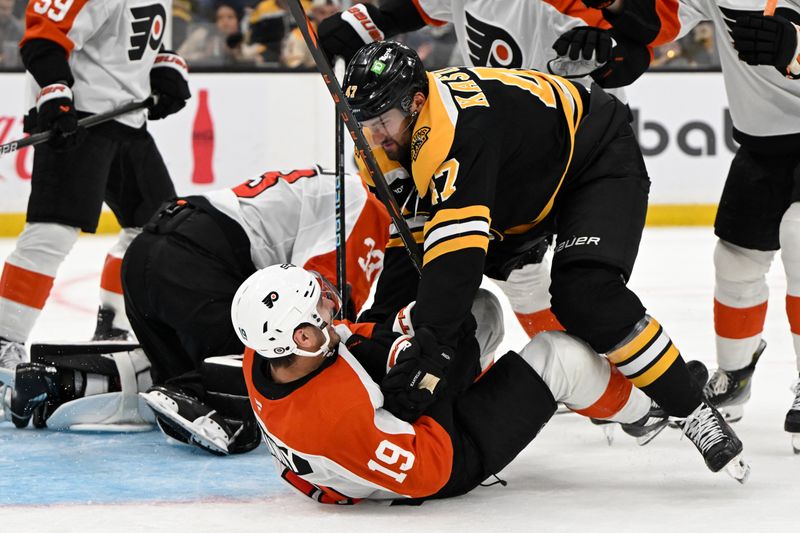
[
  {"x": 185, "y": 419},
  {"x": 716, "y": 441},
  {"x": 105, "y": 330},
  {"x": 792, "y": 423},
  {"x": 649, "y": 426},
  {"x": 729, "y": 390}
]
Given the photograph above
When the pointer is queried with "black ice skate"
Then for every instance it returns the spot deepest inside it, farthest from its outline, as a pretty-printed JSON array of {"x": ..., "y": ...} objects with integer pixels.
[
  {"x": 184, "y": 418},
  {"x": 792, "y": 423},
  {"x": 105, "y": 330},
  {"x": 716, "y": 441},
  {"x": 12, "y": 353},
  {"x": 729, "y": 390}
]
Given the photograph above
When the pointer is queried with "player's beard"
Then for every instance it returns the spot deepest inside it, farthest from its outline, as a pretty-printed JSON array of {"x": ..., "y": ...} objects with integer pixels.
[{"x": 400, "y": 149}]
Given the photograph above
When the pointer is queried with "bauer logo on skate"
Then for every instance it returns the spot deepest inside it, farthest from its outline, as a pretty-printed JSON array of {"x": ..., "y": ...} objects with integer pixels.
[
  {"x": 576, "y": 241},
  {"x": 147, "y": 29}
]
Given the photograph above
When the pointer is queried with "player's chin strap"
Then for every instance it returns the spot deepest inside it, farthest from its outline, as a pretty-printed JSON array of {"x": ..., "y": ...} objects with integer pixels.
[{"x": 325, "y": 349}]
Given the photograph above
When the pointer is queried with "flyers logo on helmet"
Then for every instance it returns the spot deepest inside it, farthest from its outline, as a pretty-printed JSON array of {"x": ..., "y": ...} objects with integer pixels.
[
  {"x": 419, "y": 139},
  {"x": 147, "y": 29},
  {"x": 270, "y": 299},
  {"x": 491, "y": 46}
]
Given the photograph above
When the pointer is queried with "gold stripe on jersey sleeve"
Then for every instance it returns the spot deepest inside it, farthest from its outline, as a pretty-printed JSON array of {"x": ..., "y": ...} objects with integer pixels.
[
  {"x": 454, "y": 245},
  {"x": 461, "y": 213},
  {"x": 448, "y": 218},
  {"x": 433, "y": 134}
]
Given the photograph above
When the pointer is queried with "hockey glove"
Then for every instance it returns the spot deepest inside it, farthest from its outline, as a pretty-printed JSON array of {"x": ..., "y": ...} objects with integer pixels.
[
  {"x": 767, "y": 40},
  {"x": 344, "y": 33},
  {"x": 417, "y": 377},
  {"x": 585, "y": 42},
  {"x": 55, "y": 111},
  {"x": 35, "y": 385},
  {"x": 169, "y": 83}
]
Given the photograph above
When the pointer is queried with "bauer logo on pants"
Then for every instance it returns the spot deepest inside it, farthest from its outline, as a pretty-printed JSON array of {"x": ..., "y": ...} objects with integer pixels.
[
  {"x": 576, "y": 241},
  {"x": 147, "y": 29}
]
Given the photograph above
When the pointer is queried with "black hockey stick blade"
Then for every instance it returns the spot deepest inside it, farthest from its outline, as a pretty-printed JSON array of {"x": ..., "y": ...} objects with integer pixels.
[
  {"x": 364, "y": 151},
  {"x": 88, "y": 122}
]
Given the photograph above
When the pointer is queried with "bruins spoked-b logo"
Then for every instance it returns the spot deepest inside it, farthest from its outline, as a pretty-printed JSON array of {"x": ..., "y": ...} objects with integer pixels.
[
  {"x": 491, "y": 46},
  {"x": 147, "y": 29},
  {"x": 270, "y": 300},
  {"x": 420, "y": 138}
]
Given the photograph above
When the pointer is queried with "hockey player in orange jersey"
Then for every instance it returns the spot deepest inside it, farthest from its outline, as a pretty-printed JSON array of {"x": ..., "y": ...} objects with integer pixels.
[{"x": 314, "y": 389}]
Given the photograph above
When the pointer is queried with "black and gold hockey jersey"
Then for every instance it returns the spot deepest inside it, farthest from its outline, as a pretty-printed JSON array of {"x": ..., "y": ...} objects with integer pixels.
[{"x": 490, "y": 152}]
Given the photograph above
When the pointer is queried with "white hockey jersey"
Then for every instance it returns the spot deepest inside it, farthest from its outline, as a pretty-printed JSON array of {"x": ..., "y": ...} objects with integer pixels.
[
  {"x": 763, "y": 102},
  {"x": 333, "y": 441},
  {"x": 289, "y": 217},
  {"x": 511, "y": 33},
  {"x": 111, "y": 45}
]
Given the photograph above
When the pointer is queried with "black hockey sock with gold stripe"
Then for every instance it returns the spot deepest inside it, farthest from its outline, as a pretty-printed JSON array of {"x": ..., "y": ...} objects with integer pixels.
[{"x": 649, "y": 359}]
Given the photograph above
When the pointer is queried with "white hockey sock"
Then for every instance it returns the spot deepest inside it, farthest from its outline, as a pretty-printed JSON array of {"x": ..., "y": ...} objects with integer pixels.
[{"x": 740, "y": 302}]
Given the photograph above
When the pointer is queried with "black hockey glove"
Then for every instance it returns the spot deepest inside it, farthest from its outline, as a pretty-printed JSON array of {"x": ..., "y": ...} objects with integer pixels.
[
  {"x": 35, "y": 385},
  {"x": 585, "y": 42},
  {"x": 169, "y": 83},
  {"x": 766, "y": 40},
  {"x": 417, "y": 377},
  {"x": 344, "y": 33},
  {"x": 55, "y": 111}
]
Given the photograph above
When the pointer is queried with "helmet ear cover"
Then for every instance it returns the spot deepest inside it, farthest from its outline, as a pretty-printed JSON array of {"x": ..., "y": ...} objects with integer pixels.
[
  {"x": 272, "y": 303},
  {"x": 381, "y": 76}
]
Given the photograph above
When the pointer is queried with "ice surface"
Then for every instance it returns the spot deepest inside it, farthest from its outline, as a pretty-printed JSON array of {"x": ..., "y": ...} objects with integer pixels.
[{"x": 567, "y": 480}]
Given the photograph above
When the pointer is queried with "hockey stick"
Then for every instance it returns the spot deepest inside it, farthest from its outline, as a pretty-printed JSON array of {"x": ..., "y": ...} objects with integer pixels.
[
  {"x": 88, "y": 122},
  {"x": 341, "y": 233},
  {"x": 382, "y": 188}
]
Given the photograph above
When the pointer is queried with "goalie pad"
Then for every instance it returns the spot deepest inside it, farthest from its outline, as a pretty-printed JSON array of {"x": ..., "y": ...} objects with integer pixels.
[{"x": 108, "y": 378}]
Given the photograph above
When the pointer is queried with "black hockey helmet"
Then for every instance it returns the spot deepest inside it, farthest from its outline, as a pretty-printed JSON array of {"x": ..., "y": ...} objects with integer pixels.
[{"x": 383, "y": 75}]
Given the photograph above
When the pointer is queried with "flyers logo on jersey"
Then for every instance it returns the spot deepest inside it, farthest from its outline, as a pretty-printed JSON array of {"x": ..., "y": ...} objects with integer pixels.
[
  {"x": 419, "y": 139},
  {"x": 147, "y": 29},
  {"x": 491, "y": 46}
]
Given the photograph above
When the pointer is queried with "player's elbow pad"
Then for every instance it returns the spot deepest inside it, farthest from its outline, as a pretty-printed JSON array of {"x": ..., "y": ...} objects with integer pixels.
[{"x": 628, "y": 62}]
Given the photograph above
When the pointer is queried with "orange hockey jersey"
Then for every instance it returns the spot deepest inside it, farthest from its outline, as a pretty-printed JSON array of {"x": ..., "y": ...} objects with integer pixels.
[{"x": 333, "y": 441}]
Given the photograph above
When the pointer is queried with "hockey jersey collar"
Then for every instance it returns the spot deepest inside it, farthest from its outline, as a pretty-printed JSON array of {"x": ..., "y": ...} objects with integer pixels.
[
  {"x": 275, "y": 391},
  {"x": 433, "y": 133}
]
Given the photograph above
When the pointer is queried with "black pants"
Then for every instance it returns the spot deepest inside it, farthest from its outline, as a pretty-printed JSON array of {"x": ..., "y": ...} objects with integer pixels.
[
  {"x": 599, "y": 219},
  {"x": 758, "y": 191},
  {"x": 115, "y": 163},
  {"x": 179, "y": 278}
]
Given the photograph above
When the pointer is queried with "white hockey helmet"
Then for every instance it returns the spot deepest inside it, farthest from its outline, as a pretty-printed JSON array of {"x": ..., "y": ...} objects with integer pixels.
[{"x": 273, "y": 302}]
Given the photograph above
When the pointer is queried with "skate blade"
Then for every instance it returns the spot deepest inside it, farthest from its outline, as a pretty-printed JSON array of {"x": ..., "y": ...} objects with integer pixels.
[
  {"x": 194, "y": 434},
  {"x": 645, "y": 439},
  {"x": 738, "y": 469},
  {"x": 796, "y": 443}
]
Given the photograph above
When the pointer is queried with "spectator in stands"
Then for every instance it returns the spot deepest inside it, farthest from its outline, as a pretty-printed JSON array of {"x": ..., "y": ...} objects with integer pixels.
[
  {"x": 294, "y": 53},
  {"x": 11, "y": 31},
  {"x": 268, "y": 25},
  {"x": 219, "y": 44},
  {"x": 700, "y": 47}
]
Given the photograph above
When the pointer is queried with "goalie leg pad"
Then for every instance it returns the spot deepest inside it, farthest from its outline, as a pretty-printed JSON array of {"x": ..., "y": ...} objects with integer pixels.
[{"x": 97, "y": 367}]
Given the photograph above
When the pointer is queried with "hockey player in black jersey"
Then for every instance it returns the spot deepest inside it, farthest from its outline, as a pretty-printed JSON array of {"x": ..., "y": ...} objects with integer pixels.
[{"x": 502, "y": 157}]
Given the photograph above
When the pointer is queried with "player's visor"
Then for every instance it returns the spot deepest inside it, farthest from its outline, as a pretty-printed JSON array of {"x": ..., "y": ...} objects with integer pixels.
[
  {"x": 386, "y": 128},
  {"x": 329, "y": 293}
]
